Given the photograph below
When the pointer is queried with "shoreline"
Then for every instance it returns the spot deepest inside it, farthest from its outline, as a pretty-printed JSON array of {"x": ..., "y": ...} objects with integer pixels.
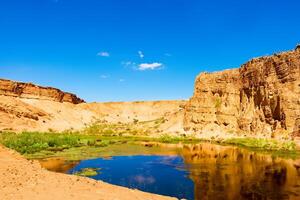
[
  {"x": 25, "y": 179},
  {"x": 44, "y": 144}
]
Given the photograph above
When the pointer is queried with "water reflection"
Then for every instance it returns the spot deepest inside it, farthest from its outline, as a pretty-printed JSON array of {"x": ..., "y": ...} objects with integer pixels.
[
  {"x": 202, "y": 171},
  {"x": 221, "y": 172},
  {"x": 140, "y": 179},
  {"x": 58, "y": 164}
]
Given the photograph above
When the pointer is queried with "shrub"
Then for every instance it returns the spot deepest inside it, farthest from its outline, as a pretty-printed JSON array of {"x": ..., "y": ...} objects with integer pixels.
[
  {"x": 32, "y": 142},
  {"x": 218, "y": 102},
  {"x": 169, "y": 139},
  {"x": 267, "y": 144}
]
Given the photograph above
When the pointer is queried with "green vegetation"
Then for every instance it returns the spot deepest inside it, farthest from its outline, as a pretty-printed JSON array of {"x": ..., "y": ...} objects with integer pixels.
[
  {"x": 32, "y": 142},
  {"x": 170, "y": 139},
  {"x": 49, "y": 143},
  {"x": 218, "y": 102},
  {"x": 117, "y": 149},
  {"x": 118, "y": 129},
  {"x": 87, "y": 172},
  {"x": 265, "y": 144},
  {"x": 97, "y": 137}
]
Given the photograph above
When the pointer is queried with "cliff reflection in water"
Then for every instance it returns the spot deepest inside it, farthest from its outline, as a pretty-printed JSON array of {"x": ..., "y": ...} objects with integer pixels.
[
  {"x": 221, "y": 172},
  {"x": 58, "y": 164},
  {"x": 194, "y": 171}
]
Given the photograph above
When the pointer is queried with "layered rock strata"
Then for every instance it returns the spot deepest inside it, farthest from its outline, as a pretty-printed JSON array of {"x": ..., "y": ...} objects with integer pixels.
[
  {"x": 260, "y": 98},
  {"x": 31, "y": 91}
]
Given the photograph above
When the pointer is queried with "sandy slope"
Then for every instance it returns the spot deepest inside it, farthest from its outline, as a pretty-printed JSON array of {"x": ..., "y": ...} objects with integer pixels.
[
  {"x": 23, "y": 179},
  {"x": 41, "y": 115}
]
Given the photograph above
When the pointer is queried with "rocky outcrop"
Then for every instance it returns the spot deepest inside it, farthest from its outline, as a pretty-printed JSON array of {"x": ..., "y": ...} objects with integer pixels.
[
  {"x": 31, "y": 91},
  {"x": 262, "y": 98}
]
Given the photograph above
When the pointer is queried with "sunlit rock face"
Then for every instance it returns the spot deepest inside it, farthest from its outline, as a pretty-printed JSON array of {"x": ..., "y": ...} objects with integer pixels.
[
  {"x": 261, "y": 98},
  {"x": 31, "y": 91},
  {"x": 215, "y": 103},
  {"x": 221, "y": 172}
]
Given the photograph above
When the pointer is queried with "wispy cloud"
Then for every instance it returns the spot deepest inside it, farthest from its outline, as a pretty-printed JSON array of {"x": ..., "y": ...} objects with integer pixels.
[
  {"x": 168, "y": 54},
  {"x": 129, "y": 64},
  {"x": 103, "y": 54},
  {"x": 121, "y": 80},
  {"x": 150, "y": 66},
  {"x": 104, "y": 76},
  {"x": 141, "y": 54}
]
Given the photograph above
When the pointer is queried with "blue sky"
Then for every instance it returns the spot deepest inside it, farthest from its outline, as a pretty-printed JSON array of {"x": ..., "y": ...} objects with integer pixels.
[{"x": 124, "y": 50}]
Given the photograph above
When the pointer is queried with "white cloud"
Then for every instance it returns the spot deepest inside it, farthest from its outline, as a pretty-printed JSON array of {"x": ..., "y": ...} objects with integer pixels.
[
  {"x": 141, "y": 54},
  {"x": 103, "y": 54},
  {"x": 168, "y": 54},
  {"x": 104, "y": 76},
  {"x": 150, "y": 66}
]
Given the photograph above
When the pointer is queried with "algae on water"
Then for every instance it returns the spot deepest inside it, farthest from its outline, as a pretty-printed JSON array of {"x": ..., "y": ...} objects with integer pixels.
[{"x": 88, "y": 172}]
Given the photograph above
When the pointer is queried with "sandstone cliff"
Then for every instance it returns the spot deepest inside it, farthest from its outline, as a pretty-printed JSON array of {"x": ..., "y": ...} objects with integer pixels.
[
  {"x": 262, "y": 98},
  {"x": 31, "y": 91}
]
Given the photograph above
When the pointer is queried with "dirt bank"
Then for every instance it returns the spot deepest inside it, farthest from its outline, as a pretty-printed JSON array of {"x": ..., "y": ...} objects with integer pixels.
[{"x": 23, "y": 179}]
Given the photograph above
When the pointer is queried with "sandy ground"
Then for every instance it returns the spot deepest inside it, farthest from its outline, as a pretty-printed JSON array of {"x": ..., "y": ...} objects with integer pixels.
[{"x": 24, "y": 179}]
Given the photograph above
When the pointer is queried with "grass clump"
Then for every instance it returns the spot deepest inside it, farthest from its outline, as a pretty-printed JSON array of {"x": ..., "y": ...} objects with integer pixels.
[
  {"x": 49, "y": 143},
  {"x": 218, "y": 102},
  {"x": 266, "y": 144},
  {"x": 32, "y": 142},
  {"x": 169, "y": 139},
  {"x": 87, "y": 172},
  {"x": 177, "y": 139}
]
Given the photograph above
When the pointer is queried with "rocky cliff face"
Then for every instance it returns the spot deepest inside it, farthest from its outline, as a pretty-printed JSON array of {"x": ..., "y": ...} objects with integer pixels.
[
  {"x": 262, "y": 98},
  {"x": 31, "y": 91}
]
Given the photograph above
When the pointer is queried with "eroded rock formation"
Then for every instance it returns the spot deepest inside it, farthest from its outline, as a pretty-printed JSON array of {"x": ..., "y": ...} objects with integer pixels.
[
  {"x": 31, "y": 91},
  {"x": 261, "y": 98}
]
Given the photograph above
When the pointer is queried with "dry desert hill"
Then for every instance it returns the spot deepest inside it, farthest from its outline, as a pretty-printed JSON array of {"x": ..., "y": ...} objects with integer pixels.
[{"x": 261, "y": 98}]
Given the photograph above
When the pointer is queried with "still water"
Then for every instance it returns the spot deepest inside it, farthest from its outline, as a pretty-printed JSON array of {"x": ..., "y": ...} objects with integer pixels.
[{"x": 198, "y": 171}]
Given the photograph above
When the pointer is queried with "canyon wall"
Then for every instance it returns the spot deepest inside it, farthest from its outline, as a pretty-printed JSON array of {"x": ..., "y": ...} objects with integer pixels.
[
  {"x": 31, "y": 91},
  {"x": 261, "y": 98}
]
